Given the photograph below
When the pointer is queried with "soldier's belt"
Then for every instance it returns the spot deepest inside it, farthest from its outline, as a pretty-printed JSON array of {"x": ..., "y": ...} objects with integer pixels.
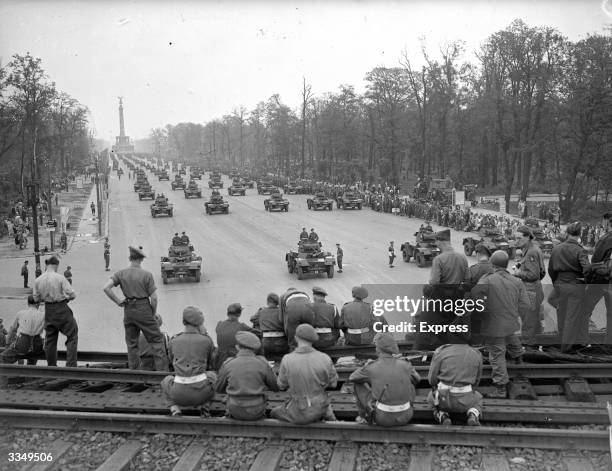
[
  {"x": 455, "y": 389},
  {"x": 388, "y": 408},
  {"x": 273, "y": 334},
  {"x": 358, "y": 331},
  {"x": 190, "y": 379},
  {"x": 323, "y": 330}
]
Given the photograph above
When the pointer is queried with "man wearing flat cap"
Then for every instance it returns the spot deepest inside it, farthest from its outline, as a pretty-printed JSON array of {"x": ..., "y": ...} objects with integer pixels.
[
  {"x": 56, "y": 292},
  {"x": 385, "y": 388},
  {"x": 530, "y": 270},
  {"x": 226, "y": 333},
  {"x": 599, "y": 278},
  {"x": 296, "y": 309},
  {"x": 357, "y": 320},
  {"x": 245, "y": 379},
  {"x": 326, "y": 319},
  {"x": 567, "y": 267},
  {"x": 192, "y": 354},
  {"x": 139, "y": 308},
  {"x": 306, "y": 373},
  {"x": 268, "y": 321}
]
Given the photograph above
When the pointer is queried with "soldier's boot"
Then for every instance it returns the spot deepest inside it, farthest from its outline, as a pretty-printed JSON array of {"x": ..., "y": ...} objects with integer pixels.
[
  {"x": 472, "y": 418},
  {"x": 500, "y": 392},
  {"x": 443, "y": 418}
]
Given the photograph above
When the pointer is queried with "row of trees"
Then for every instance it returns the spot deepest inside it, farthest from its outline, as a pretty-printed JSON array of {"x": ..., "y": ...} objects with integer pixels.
[
  {"x": 533, "y": 110},
  {"x": 43, "y": 131}
]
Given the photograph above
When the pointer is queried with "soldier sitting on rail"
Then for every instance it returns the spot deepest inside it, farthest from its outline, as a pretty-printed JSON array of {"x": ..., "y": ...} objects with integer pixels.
[
  {"x": 245, "y": 378},
  {"x": 455, "y": 370},
  {"x": 192, "y": 353},
  {"x": 357, "y": 320},
  {"x": 326, "y": 319},
  {"x": 24, "y": 336},
  {"x": 384, "y": 388},
  {"x": 295, "y": 309},
  {"x": 226, "y": 333},
  {"x": 268, "y": 321}
]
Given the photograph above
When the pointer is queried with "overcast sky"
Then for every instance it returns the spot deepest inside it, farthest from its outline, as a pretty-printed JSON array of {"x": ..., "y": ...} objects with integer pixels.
[{"x": 196, "y": 61}]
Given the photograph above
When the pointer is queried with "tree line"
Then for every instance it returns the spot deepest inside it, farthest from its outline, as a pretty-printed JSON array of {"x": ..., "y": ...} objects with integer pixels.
[
  {"x": 43, "y": 131},
  {"x": 531, "y": 110}
]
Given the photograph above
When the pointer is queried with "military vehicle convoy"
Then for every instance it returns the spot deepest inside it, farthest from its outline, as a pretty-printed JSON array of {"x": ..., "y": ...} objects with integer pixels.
[
  {"x": 540, "y": 238},
  {"x": 320, "y": 201},
  {"x": 266, "y": 188},
  {"x": 193, "y": 190},
  {"x": 181, "y": 262},
  {"x": 178, "y": 183},
  {"x": 425, "y": 248},
  {"x": 146, "y": 192},
  {"x": 161, "y": 207},
  {"x": 310, "y": 259},
  {"x": 163, "y": 175},
  {"x": 236, "y": 188},
  {"x": 195, "y": 173},
  {"x": 490, "y": 236},
  {"x": 293, "y": 189},
  {"x": 215, "y": 182},
  {"x": 216, "y": 205},
  {"x": 247, "y": 182},
  {"x": 349, "y": 200},
  {"x": 276, "y": 202}
]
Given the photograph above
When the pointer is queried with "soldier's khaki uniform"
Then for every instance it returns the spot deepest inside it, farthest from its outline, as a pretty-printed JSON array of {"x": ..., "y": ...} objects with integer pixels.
[
  {"x": 327, "y": 324},
  {"x": 357, "y": 322},
  {"x": 274, "y": 340},
  {"x": 296, "y": 309},
  {"x": 530, "y": 273}
]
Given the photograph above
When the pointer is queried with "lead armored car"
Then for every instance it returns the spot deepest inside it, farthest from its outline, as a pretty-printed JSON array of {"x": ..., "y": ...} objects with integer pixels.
[
  {"x": 161, "y": 207},
  {"x": 276, "y": 202},
  {"x": 320, "y": 201},
  {"x": 146, "y": 192},
  {"x": 425, "y": 248},
  {"x": 216, "y": 205},
  {"x": 310, "y": 258},
  {"x": 181, "y": 262}
]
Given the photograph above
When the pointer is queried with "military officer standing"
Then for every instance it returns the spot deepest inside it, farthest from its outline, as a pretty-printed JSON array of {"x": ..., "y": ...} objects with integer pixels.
[
  {"x": 139, "y": 309},
  {"x": 568, "y": 264},
  {"x": 391, "y": 252},
  {"x": 339, "y": 256},
  {"x": 245, "y": 378},
  {"x": 505, "y": 298},
  {"x": 530, "y": 270},
  {"x": 455, "y": 370},
  {"x": 296, "y": 309},
  {"x": 357, "y": 320},
  {"x": 54, "y": 290},
  {"x": 306, "y": 373},
  {"x": 192, "y": 355},
  {"x": 326, "y": 319},
  {"x": 226, "y": 333},
  {"x": 384, "y": 389},
  {"x": 268, "y": 320}
]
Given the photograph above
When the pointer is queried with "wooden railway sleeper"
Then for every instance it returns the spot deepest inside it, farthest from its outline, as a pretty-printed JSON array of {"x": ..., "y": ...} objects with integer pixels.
[{"x": 577, "y": 389}]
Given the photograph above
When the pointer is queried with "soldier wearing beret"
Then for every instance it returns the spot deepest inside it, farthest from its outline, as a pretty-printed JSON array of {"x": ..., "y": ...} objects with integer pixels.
[
  {"x": 530, "y": 270},
  {"x": 385, "y": 388},
  {"x": 306, "y": 373},
  {"x": 326, "y": 319},
  {"x": 139, "y": 308},
  {"x": 567, "y": 267},
  {"x": 192, "y": 353},
  {"x": 56, "y": 292},
  {"x": 296, "y": 309},
  {"x": 268, "y": 321},
  {"x": 226, "y": 333},
  {"x": 455, "y": 370},
  {"x": 599, "y": 278},
  {"x": 357, "y": 320},
  {"x": 245, "y": 378}
]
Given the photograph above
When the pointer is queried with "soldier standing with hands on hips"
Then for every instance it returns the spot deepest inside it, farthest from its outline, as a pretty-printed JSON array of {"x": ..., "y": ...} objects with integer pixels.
[{"x": 139, "y": 308}]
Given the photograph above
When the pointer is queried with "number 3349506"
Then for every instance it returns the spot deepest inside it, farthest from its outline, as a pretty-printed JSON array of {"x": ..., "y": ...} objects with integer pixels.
[{"x": 30, "y": 457}]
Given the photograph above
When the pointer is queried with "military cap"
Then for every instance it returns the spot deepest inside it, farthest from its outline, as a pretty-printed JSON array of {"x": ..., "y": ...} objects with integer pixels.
[
  {"x": 525, "y": 230},
  {"x": 273, "y": 297},
  {"x": 52, "y": 261},
  {"x": 337, "y": 243},
  {"x": 183, "y": 232},
  {"x": 499, "y": 259},
  {"x": 248, "y": 340},
  {"x": 359, "y": 292},
  {"x": 319, "y": 290},
  {"x": 193, "y": 316},
  {"x": 574, "y": 228},
  {"x": 306, "y": 332},
  {"x": 234, "y": 308},
  {"x": 136, "y": 251},
  {"x": 483, "y": 249},
  {"x": 386, "y": 343}
]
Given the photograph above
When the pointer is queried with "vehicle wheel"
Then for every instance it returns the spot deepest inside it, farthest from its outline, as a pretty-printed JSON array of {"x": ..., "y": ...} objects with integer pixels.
[
  {"x": 290, "y": 267},
  {"x": 330, "y": 271},
  {"x": 164, "y": 278},
  {"x": 198, "y": 276},
  {"x": 468, "y": 249},
  {"x": 420, "y": 259},
  {"x": 300, "y": 273},
  {"x": 406, "y": 256}
]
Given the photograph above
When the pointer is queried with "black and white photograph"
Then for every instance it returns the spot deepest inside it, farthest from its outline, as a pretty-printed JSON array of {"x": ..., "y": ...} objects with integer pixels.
[{"x": 306, "y": 235}]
